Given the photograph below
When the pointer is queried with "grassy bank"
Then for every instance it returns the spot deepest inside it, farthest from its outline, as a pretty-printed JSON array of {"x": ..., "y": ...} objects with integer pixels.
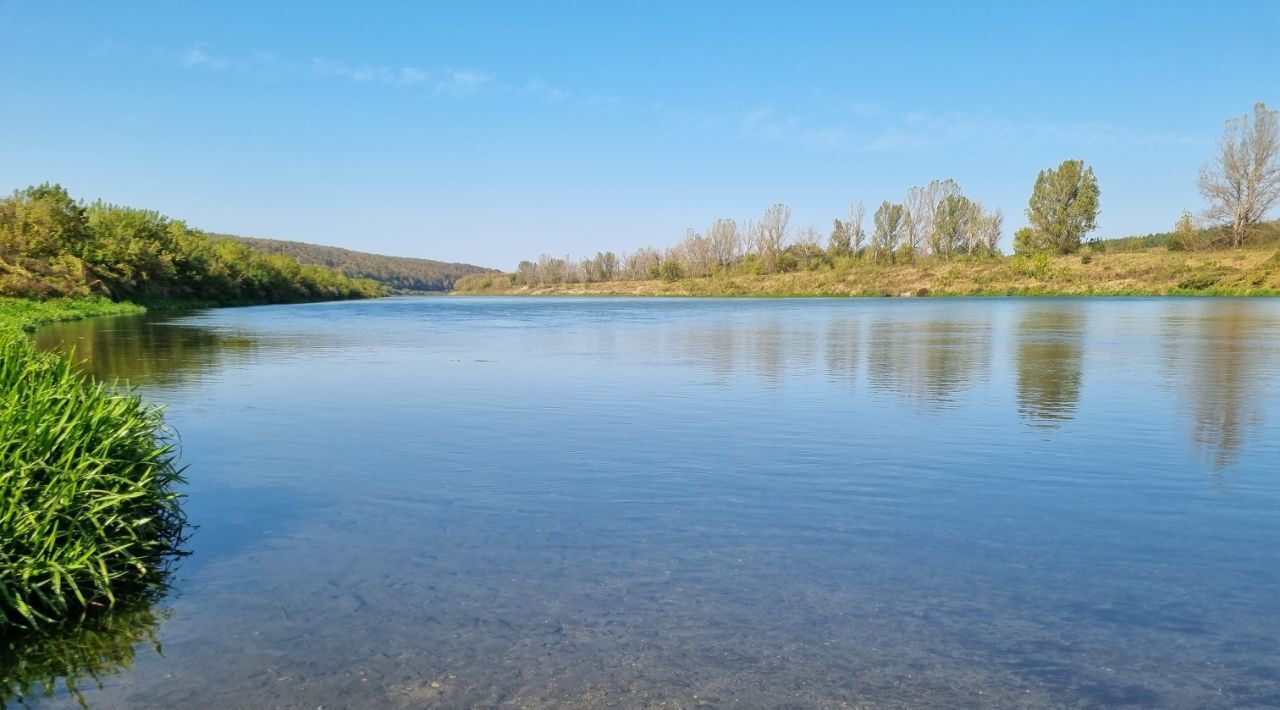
[
  {"x": 25, "y": 315},
  {"x": 1153, "y": 272},
  {"x": 88, "y": 510}
]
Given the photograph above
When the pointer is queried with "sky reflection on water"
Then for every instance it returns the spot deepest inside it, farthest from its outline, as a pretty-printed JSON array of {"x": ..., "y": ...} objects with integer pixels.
[{"x": 576, "y": 502}]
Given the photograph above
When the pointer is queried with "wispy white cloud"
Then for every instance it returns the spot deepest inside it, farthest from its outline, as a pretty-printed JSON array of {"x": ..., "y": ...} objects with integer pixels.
[
  {"x": 366, "y": 74},
  {"x": 265, "y": 65},
  {"x": 197, "y": 57},
  {"x": 867, "y": 126},
  {"x": 541, "y": 90}
]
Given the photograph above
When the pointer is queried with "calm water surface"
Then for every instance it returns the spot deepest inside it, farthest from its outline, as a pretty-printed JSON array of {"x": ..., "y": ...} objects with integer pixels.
[{"x": 710, "y": 503}]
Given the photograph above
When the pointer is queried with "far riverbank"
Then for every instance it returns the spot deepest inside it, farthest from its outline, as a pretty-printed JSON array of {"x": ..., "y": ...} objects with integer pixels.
[{"x": 1153, "y": 272}]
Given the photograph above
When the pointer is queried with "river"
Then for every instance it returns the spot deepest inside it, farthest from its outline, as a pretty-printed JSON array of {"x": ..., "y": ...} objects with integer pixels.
[{"x": 705, "y": 503}]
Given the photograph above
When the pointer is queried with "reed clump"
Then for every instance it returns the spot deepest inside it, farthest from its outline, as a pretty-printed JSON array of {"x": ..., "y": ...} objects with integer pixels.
[{"x": 89, "y": 511}]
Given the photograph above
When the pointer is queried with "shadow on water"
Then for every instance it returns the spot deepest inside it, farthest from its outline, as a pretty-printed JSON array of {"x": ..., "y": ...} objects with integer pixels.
[
  {"x": 1050, "y": 358},
  {"x": 144, "y": 349},
  {"x": 1219, "y": 360}
]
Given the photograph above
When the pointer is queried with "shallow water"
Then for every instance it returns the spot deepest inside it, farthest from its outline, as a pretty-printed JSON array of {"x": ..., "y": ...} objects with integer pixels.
[{"x": 705, "y": 503}]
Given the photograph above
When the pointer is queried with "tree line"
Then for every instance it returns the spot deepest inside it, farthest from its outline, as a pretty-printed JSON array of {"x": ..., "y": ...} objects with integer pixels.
[
  {"x": 938, "y": 221},
  {"x": 933, "y": 221},
  {"x": 53, "y": 245}
]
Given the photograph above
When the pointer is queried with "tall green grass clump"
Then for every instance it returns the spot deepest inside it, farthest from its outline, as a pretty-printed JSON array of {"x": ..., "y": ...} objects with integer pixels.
[{"x": 89, "y": 514}]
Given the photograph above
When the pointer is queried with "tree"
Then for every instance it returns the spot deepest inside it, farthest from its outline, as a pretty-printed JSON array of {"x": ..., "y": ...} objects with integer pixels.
[
  {"x": 807, "y": 249},
  {"x": 840, "y": 243},
  {"x": 608, "y": 265},
  {"x": 890, "y": 226},
  {"x": 40, "y": 222},
  {"x": 921, "y": 204},
  {"x": 725, "y": 242},
  {"x": 991, "y": 228},
  {"x": 1024, "y": 240},
  {"x": 1242, "y": 181},
  {"x": 1184, "y": 233},
  {"x": 527, "y": 273},
  {"x": 769, "y": 234},
  {"x": 955, "y": 226},
  {"x": 857, "y": 234},
  {"x": 643, "y": 264},
  {"x": 693, "y": 253},
  {"x": 1063, "y": 208}
]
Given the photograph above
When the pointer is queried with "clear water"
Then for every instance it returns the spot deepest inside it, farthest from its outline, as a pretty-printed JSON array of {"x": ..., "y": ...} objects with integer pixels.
[{"x": 708, "y": 503}]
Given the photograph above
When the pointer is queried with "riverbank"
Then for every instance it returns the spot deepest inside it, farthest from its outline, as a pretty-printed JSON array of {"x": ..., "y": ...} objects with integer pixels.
[
  {"x": 23, "y": 315},
  {"x": 89, "y": 514},
  {"x": 1153, "y": 272}
]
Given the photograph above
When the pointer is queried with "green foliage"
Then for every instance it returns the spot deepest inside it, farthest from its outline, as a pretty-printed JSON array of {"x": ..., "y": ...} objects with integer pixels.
[
  {"x": 890, "y": 228},
  {"x": 1063, "y": 208},
  {"x": 840, "y": 243},
  {"x": 1024, "y": 240},
  {"x": 1037, "y": 265},
  {"x": 25, "y": 315},
  {"x": 52, "y": 246},
  {"x": 802, "y": 257},
  {"x": 41, "y": 222},
  {"x": 1263, "y": 235},
  {"x": 953, "y": 223},
  {"x": 88, "y": 510},
  {"x": 670, "y": 270},
  {"x": 398, "y": 273},
  {"x": 1184, "y": 236},
  {"x": 752, "y": 264}
]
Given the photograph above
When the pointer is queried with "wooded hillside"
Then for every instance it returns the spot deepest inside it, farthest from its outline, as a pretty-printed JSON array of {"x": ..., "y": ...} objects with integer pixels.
[{"x": 399, "y": 273}]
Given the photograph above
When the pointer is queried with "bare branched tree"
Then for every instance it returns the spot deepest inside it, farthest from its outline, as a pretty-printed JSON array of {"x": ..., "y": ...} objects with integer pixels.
[
  {"x": 770, "y": 234},
  {"x": 807, "y": 248},
  {"x": 693, "y": 253},
  {"x": 857, "y": 233},
  {"x": 608, "y": 264},
  {"x": 1242, "y": 182},
  {"x": 643, "y": 263},
  {"x": 992, "y": 226},
  {"x": 725, "y": 242},
  {"x": 921, "y": 204}
]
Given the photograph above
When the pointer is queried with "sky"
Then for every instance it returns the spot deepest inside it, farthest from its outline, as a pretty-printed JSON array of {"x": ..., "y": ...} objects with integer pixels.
[{"x": 492, "y": 132}]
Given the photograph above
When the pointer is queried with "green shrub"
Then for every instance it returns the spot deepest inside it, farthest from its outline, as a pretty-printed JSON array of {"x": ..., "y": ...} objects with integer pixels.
[
  {"x": 1037, "y": 265},
  {"x": 88, "y": 509},
  {"x": 670, "y": 270}
]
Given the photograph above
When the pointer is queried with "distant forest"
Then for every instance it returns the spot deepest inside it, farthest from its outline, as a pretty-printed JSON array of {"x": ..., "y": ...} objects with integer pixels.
[{"x": 398, "y": 273}]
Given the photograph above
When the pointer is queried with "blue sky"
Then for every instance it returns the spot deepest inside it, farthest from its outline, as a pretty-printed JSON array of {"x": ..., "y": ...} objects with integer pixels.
[{"x": 491, "y": 132}]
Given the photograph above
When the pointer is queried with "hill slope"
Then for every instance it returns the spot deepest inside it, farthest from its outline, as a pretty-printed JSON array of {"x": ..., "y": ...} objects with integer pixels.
[
  {"x": 400, "y": 273},
  {"x": 1267, "y": 234}
]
